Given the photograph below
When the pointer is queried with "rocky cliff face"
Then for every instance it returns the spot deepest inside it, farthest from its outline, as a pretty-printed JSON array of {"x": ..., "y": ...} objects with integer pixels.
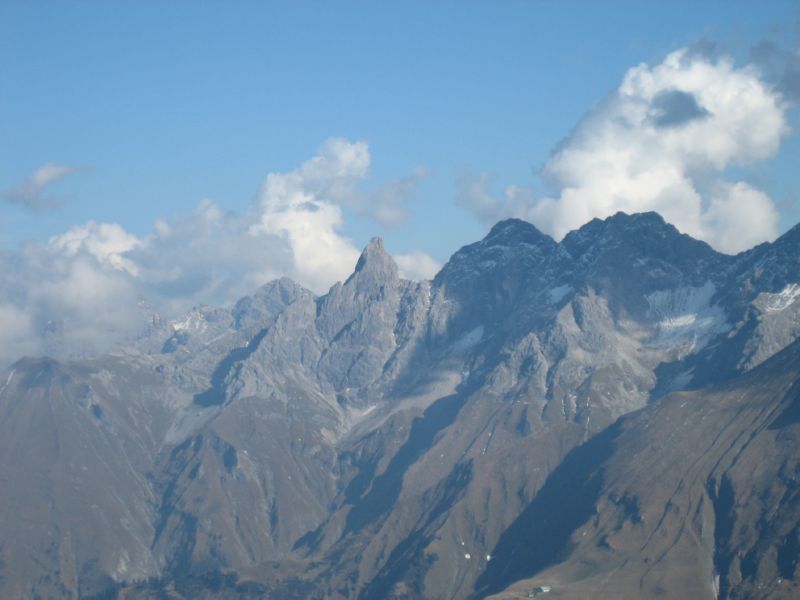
[
  {"x": 387, "y": 436},
  {"x": 693, "y": 497}
]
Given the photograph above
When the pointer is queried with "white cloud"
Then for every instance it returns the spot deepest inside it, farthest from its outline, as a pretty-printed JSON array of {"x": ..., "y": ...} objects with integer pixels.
[
  {"x": 304, "y": 207},
  {"x": 52, "y": 297},
  {"x": 31, "y": 192},
  {"x": 660, "y": 142},
  {"x": 207, "y": 256},
  {"x": 738, "y": 215},
  {"x": 17, "y": 337},
  {"x": 107, "y": 242},
  {"x": 78, "y": 293},
  {"x": 417, "y": 265}
]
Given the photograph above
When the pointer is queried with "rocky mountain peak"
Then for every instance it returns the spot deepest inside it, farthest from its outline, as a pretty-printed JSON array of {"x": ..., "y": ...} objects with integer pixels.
[
  {"x": 270, "y": 299},
  {"x": 373, "y": 286},
  {"x": 617, "y": 228},
  {"x": 375, "y": 261},
  {"x": 512, "y": 244},
  {"x": 622, "y": 239},
  {"x": 516, "y": 231},
  {"x": 643, "y": 219}
]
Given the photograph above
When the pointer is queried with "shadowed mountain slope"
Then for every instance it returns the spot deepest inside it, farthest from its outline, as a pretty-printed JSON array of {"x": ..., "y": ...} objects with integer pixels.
[{"x": 695, "y": 497}]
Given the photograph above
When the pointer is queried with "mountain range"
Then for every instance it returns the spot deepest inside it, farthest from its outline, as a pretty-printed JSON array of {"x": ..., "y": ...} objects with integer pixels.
[{"x": 612, "y": 415}]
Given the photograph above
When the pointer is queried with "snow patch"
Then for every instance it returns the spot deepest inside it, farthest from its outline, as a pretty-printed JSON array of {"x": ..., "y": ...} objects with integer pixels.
[
  {"x": 5, "y": 385},
  {"x": 194, "y": 321},
  {"x": 685, "y": 316},
  {"x": 468, "y": 340},
  {"x": 782, "y": 300},
  {"x": 123, "y": 565}
]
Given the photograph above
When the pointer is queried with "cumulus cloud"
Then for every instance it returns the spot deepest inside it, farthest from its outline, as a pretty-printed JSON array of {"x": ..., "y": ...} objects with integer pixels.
[
  {"x": 387, "y": 204},
  {"x": 663, "y": 141},
  {"x": 106, "y": 242},
  {"x": 336, "y": 176},
  {"x": 304, "y": 206},
  {"x": 417, "y": 265},
  {"x": 17, "y": 336},
  {"x": 210, "y": 256},
  {"x": 54, "y": 296},
  {"x": 80, "y": 293},
  {"x": 475, "y": 194},
  {"x": 31, "y": 193}
]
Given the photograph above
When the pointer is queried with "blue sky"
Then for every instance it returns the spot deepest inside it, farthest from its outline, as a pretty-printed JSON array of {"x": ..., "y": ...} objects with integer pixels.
[
  {"x": 138, "y": 138},
  {"x": 162, "y": 104}
]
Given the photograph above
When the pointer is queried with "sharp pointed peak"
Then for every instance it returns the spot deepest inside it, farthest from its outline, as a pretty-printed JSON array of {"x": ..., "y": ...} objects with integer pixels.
[
  {"x": 374, "y": 245},
  {"x": 374, "y": 248},
  {"x": 375, "y": 258}
]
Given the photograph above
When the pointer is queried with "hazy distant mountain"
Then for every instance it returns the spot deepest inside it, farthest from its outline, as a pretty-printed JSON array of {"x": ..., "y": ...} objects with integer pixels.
[{"x": 440, "y": 439}]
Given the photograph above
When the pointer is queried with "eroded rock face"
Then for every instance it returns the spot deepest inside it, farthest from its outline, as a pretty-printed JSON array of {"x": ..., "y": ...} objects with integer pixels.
[
  {"x": 694, "y": 497},
  {"x": 387, "y": 436}
]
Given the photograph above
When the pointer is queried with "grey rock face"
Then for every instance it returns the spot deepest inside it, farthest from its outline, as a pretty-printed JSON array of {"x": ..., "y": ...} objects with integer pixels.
[
  {"x": 695, "y": 497},
  {"x": 387, "y": 432}
]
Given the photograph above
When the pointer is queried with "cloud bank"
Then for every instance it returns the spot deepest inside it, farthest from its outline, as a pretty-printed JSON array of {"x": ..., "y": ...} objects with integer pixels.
[
  {"x": 664, "y": 140},
  {"x": 82, "y": 291}
]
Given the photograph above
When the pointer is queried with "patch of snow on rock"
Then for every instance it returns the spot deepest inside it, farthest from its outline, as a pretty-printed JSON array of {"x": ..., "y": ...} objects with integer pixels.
[
  {"x": 685, "y": 316},
  {"x": 468, "y": 340},
  {"x": 194, "y": 321},
  {"x": 783, "y": 299}
]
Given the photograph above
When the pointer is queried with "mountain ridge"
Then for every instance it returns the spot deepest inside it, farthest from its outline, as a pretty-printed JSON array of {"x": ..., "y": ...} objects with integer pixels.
[{"x": 387, "y": 433}]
